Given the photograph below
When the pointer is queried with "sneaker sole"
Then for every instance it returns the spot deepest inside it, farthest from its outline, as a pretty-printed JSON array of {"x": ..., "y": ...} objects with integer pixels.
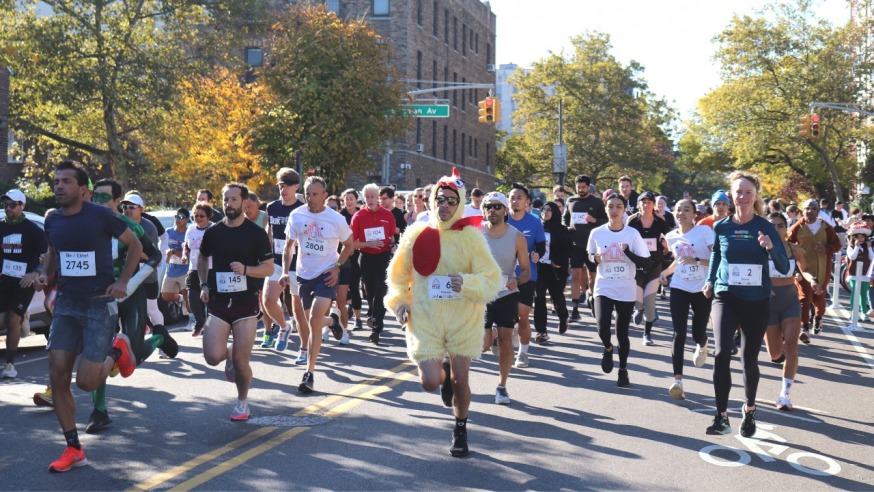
[
  {"x": 42, "y": 402},
  {"x": 677, "y": 393},
  {"x": 74, "y": 465},
  {"x": 502, "y": 402},
  {"x": 304, "y": 389},
  {"x": 239, "y": 418}
]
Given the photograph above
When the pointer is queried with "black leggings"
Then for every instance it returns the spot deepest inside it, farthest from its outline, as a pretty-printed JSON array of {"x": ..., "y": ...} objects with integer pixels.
[
  {"x": 198, "y": 308},
  {"x": 355, "y": 282},
  {"x": 373, "y": 272},
  {"x": 729, "y": 313},
  {"x": 603, "y": 313},
  {"x": 132, "y": 315},
  {"x": 552, "y": 280},
  {"x": 681, "y": 301}
]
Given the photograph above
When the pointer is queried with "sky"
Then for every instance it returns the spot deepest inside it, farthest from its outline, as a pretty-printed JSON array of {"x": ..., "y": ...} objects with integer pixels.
[{"x": 672, "y": 39}]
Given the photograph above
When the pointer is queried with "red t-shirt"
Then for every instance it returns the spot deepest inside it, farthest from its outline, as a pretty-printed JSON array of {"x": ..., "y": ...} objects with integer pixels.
[{"x": 368, "y": 226}]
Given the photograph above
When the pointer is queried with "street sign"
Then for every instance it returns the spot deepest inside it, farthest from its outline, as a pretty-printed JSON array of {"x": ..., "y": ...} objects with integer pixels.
[
  {"x": 427, "y": 110},
  {"x": 559, "y": 158}
]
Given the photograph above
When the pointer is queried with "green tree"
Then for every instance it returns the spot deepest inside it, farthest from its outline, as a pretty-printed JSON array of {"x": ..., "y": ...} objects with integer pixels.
[
  {"x": 697, "y": 168},
  {"x": 338, "y": 96},
  {"x": 773, "y": 66},
  {"x": 612, "y": 124},
  {"x": 93, "y": 76}
]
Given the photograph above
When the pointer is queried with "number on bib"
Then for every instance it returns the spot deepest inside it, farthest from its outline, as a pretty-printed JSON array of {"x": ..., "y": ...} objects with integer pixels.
[
  {"x": 374, "y": 234},
  {"x": 315, "y": 246},
  {"x": 15, "y": 269},
  {"x": 579, "y": 217},
  {"x": 78, "y": 263},
  {"x": 615, "y": 271},
  {"x": 440, "y": 287},
  {"x": 691, "y": 272},
  {"x": 230, "y": 282},
  {"x": 745, "y": 274}
]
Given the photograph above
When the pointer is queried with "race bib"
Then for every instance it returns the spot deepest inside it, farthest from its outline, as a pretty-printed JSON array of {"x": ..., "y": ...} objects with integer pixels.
[
  {"x": 440, "y": 287},
  {"x": 78, "y": 263},
  {"x": 651, "y": 243},
  {"x": 745, "y": 274},
  {"x": 278, "y": 246},
  {"x": 15, "y": 269},
  {"x": 616, "y": 271},
  {"x": 773, "y": 273},
  {"x": 230, "y": 282},
  {"x": 579, "y": 217},
  {"x": 374, "y": 234},
  {"x": 545, "y": 257},
  {"x": 315, "y": 246},
  {"x": 505, "y": 279},
  {"x": 175, "y": 260},
  {"x": 691, "y": 272}
]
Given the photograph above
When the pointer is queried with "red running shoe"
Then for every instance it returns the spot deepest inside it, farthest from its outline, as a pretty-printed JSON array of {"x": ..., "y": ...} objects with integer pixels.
[
  {"x": 126, "y": 361},
  {"x": 72, "y": 458}
]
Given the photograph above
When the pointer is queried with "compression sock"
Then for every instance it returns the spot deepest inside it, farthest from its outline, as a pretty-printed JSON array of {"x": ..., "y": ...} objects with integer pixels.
[
  {"x": 72, "y": 438},
  {"x": 787, "y": 385},
  {"x": 523, "y": 348},
  {"x": 98, "y": 397},
  {"x": 648, "y": 327}
]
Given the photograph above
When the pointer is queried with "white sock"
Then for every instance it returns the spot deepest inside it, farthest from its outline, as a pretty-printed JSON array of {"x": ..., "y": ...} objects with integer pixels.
[
  {"x": 678, "y": 381},
  {"x": 523, "y": 348},
  {"x": 787, "y": 384}
]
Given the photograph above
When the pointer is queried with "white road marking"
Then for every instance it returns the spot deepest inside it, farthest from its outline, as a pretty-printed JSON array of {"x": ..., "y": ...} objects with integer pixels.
[
  {"x": 760, "y": 409},
  {"x": 840, "y": 314}
]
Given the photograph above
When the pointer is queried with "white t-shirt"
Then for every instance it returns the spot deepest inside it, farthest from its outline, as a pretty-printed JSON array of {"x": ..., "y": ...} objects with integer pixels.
[
  {"x": 616, "y": 271},
  {"x": 193, "y": 238},
  {"x": 318, "y": 236},
  {"x": 695, "y": 243},
  {"x": 422, "y": 217},
  {"x": 471, "y": 211}
]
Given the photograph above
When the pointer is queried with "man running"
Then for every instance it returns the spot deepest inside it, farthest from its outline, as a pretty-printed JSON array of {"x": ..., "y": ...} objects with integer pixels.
[
  {"x": 319, "y": 231},
  {"x": 173, "y": 286},
  {"x": 23, "y": 243},
  {"x": 583, "y": 213},
  {"x": 719, "y": 202},
  {"x": 241, "y": 256},
  {"x": 80, "y": 236},
  {"x": 626, "y": 188}
]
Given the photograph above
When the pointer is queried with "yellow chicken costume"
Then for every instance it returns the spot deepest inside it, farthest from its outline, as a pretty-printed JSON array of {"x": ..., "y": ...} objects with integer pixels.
[{"x": 429, "y": 251}]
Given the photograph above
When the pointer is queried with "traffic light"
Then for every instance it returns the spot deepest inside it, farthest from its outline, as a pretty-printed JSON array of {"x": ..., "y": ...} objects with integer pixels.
[
  {"x": 804, "y": 127},
  {"x": 814, "y": 126},
  {"x": 496, "y": 103},
  {"x": 487, "y": 110}
]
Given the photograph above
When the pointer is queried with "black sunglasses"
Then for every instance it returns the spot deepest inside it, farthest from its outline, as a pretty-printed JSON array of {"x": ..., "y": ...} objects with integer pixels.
[
  {"x": 11, "y": 204},
  {"x": 493, "y": 206},
  {"x": 130, "y": 206},
  {"x": 451, "y": 200},
  {"x": 181, "y": 217}
]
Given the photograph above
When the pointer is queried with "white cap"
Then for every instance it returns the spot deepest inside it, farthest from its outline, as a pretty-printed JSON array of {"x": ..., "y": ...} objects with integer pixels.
[
  {"x": 495, "y": 196},
  {"x": 15, "y": 195},
  {"x": 133, "y": 198}
]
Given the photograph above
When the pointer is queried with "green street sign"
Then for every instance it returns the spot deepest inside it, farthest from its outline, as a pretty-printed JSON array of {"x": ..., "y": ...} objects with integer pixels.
[{"x": 427, "y": 110}]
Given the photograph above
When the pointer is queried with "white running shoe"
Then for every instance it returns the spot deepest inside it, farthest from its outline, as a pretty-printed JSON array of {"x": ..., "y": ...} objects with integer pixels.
[
  {"x": 700, "y": 356},
  {"x": 9, "y": 371},
  {"x": 521, "y": 360},
  {"x": 784, "y": 403},
  {"x": 676, "y": 390}
]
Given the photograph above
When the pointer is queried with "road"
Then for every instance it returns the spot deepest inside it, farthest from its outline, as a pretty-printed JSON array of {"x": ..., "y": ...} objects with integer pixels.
[{"x": 369, "y": 426}]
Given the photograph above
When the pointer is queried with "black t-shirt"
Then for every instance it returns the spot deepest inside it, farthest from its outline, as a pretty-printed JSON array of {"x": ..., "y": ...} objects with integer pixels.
[
  {"x": 346, "y": 215},
  {"x": 83, "y": 242},
  {"x": 400, "y": 222},
  {"x": 838, "y": 217},
  {"x": 22, "y": 244},
  {"x": 653, "y": 234},
  {"x": 247, "y": 244},
  {"x": 590, "y": 205},
  {"x": 277, "y": 216}
]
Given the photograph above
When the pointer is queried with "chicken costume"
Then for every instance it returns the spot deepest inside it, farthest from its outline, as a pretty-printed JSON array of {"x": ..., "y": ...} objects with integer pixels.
[{"x": 428, "y": 251}]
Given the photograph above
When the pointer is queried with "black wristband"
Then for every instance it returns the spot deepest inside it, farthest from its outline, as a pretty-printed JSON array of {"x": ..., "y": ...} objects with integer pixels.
[{"x": 245, "y": 269}]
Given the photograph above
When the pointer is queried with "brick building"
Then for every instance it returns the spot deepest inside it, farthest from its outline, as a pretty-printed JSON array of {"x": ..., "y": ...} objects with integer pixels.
[{"x": 437, "y": 41}]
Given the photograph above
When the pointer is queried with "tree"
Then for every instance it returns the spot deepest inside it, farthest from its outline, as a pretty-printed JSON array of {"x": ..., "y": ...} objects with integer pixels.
[
  {"x": 92, "y": 76},
  {"x": 697, "y": 168},
  {"x": 612, "y": 125},
  {"x": 773, "y": 66},
  {"x": 338, "y": 97}
]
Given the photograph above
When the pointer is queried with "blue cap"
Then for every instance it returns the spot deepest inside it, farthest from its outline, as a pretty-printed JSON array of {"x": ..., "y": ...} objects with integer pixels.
[{"x": 719, "y": 196}]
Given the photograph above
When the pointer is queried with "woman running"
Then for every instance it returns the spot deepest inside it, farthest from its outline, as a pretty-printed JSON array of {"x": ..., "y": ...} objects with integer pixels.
[
  {"x": 691, "y": 246},
  {"x": 618, "y": 251},
  {"x": 744, "y": 243},
  {"x": 653, "y": 231},
  {"x": 859, "y": 252},
  {"x": 351, "y": 290},
  {"x": 784, "y": 321},
  {"x": 552, "y": 271}
]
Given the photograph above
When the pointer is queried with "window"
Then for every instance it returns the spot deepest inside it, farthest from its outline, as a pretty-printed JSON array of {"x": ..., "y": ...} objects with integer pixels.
[
  {"x": 255, "y": 57},
  {"x": 455, "y": 33},
  {"x": 434, "y": 75},
  {"x": 445, "y": 141},
  {"x": 418, "y": 69},
  {"x": 488, "y": 53},
  {"x": 463, "y": 81},
  {"x": 470, "y": 145},
  {"x": 455, "y": 93},
  {"x": 446, "y": 82},
  {"x": 380, "y": 8},
  {"x": 476, "y": 148},
  {"x": 454, "y": 145},
  {"x": 436, "y": 19},
  {"x": 418, "y": 130},
  {"x": 463, "y": 40},
  {"x": 476, "y": 44},
  {"x": 434, "y": 139},
  {"x": 446, "y": 26},
  {"x": 419, "y": 12},
  {"x": 463, "y": 141}
]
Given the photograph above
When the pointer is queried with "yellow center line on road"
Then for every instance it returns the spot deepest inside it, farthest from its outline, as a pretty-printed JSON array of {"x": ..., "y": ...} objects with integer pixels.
[{"x": 394, "y": 373}]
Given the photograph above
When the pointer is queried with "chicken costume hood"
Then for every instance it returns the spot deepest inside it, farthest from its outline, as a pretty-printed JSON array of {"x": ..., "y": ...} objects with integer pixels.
[{"x": 426, "y": 254}]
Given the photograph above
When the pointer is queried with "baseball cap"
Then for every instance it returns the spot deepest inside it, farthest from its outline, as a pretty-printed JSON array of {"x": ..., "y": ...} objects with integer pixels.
[
  {"x": 496, "y": 196},
  {"x": 811, "y": 203},
  {"x": 719, "y": 196},
  {"x": 646, "y": 195},
  {"x": 15, "y": 195},
  {"x": 133, "y": 198}
]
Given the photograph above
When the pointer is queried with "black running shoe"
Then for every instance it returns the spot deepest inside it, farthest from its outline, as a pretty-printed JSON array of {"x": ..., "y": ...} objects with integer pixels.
[
  {"x": 607, "y": 362},
  {"x": 748, "y": 425},
  {"x": 459, "y": 443},
  {"x": 562, "y": 326},
  {"x": 446, "y": 392},
  {"x": 169, "y": 346},
  {"x": 374, "y": 338},
  {"x": 336, "y": 327},
  {"x": 575, "y": 315},
  {"x": 623, "y": 381},
  {"x": 779, "y": 360},
  {"x": 306, "y": 385},
  {"x": 817, "y": 325},
  {"x": 720, "y": 426},
  {"x": 805, "y": 335},
  {"x": 97, "y": 422}
]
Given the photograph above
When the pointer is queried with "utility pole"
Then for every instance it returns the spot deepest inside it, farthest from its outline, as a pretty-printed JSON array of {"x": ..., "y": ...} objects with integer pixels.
[{"x": 559, "y": 151}]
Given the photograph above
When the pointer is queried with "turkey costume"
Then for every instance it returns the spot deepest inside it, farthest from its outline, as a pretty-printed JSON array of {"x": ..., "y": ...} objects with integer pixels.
[{"x": 427, "y": 253}]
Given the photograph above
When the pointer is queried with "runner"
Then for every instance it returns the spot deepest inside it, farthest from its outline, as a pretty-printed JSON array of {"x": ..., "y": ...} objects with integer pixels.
[
  {"x": 552, "y": 272},
  {"x": 626, "y": 189},
  {"x": 691, "y": 246},
  {"x": 743, "y": 245},
  {"x": 190, "y": 254},
  {"x": 859, "y": 252},
  {"x": 387, "y": 201},
  {"x": 617, "y": 250},
  {"x": 474, "y": 208},
  {"x": 133, "y": 205},
  {"x": 535, "y": 240},
  {"x": 173, "y": 286},
  {"x": 583, "y": 213},
  {"x": 653, "y": 230},
  {"x": 319, "y": 231},
  {"x": 353, "y": 292},
  {"x": 240, "y": 255},
  {"x": 440, "y": 280},
  {"x": 79, "y": 237},
  {"x": 206, "y": 196},
  {"x": 23, "y": 244},
  {"x": 507, "y": 245},
  {"x": 720, "y": 204},
  {"x": 372, "y": 229}
]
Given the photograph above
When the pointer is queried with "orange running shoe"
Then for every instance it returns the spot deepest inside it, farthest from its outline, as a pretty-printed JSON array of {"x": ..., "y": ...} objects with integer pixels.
[{"x": 72, "y": 458}]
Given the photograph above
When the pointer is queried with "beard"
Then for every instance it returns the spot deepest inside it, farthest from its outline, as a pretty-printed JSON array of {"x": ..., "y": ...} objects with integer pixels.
[{"x": 233, "y": 213}]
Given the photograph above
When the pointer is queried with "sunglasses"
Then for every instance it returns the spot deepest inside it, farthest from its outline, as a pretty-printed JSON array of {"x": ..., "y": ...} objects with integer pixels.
[
  {"x": 130, "y": 206},
  {"x": 101, "y": 197},
  {"x": 196, "y": 216},
  {"x": 451, "y": 200},
  {"x": 11, "y": 204},
  {"x": 493, "y": 206},
  {"x": 181, "y": 217}
]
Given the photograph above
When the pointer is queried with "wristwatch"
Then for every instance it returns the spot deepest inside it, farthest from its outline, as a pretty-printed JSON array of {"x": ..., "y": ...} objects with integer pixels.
[
  {"x": 204, "y": 286},
  {"x": 697, "y": 260},
  {"x": 339, "y": 265}
]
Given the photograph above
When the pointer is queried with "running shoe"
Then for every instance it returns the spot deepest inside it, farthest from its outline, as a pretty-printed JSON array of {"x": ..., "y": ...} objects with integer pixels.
[
  {"x": 676, "y": 390},
  {"x": 281, "y": 339},
  {"x": 350, "y": 313},
  {"x": 336, "y": 327},
  {"x": 541, "y": 338},
  {"x": 240, "y": 412},
  {"x": 562, "y": 326},
  {"x": 637, "y": 316},
  {"x": 607, "y": 361},
  {"x": 169, "y": 345},
  {"x": 779, "y": 360},
  {"x": 496, "y": 350},
  {"x": 229, "y": 369},
  {"x": 734, "y": 350},
  {"x": 301, "y": 357},
  {"x": 521, "y": 361},
  {"x": 575, "y": 315},
  {"x": 162, "y": 355},
  {"x": 9, "y": 371},
  {"x": 446, "y": 391},
  {"x": 293, "y": 325},
  {"x": 737, "y": 339},
  {"x": 345, "y": 339},
  {"x": 501, "y": 396},
  {"x": 647, "y": 340},
  {"x": 72, "y": 458},
  {"x": 805, "y": 335},
  {"x": 374, "y": 338},
  {"x": 306, "y": 384},
  {"x": 126, "y": 360},
  {"x": 623, "y": 381},
  {"x": 720, "y": 426},
  {"x": 44, "y": 399},
  {"x": 326, "y": 334},
  {"x": 748, "y": 425},
  {"x": 358, "y": 325},
  {"x": 784, "y": 403},
  {"x": 590, "y": 302},
  {"x": 700, "y": 355},
  {"x": 817, "y": 325},
  {"x": 198, "y": 332},
  {"x": 269, "y": 335},
  {"x": 459, "y": 443},
  {"x": 98, "y": 421}
]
